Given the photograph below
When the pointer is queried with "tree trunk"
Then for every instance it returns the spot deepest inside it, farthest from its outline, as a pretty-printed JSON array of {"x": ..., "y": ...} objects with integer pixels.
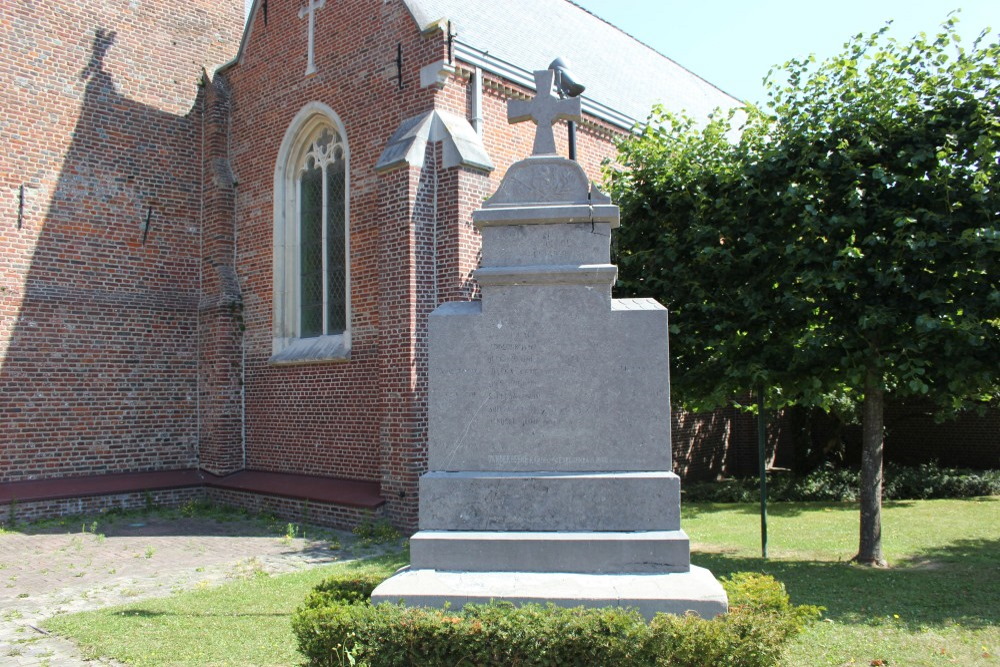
[{"x": 872, "y": 435}]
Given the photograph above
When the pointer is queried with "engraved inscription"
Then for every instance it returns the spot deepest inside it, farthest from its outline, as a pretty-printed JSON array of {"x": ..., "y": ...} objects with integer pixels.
[
  {"x": 542, "y": 182},
  {"x": 520, "y": 459},
  {"x": 518, "y": 398},
  {"x": 514, "y": 399},
  {"x": 514, "y": 380}
]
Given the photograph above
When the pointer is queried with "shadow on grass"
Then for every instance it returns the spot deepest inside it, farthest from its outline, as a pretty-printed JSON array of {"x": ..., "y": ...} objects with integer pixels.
[{"x": 956, "y": 584}]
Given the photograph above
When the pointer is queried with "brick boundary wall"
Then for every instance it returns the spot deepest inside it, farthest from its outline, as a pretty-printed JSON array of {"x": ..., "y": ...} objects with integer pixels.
[
  {"x": 290, "y": 509},
  {"x": 294, "y": 509},
  {"x": 34, "y": 510},
  {"x": 701, "y": 443},
  {"x": 913, "y": 437}
]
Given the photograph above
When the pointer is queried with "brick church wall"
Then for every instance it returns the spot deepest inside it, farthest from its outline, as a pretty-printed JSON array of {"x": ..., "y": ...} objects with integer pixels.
[
  {"x": 98, "y": 347},
  {"x": 412, "y": 242},
  {"x": 507, "y": 144},
  {"x": 220, "y": 306},
  {"x": 361, "y": 418},
  {"x": 128, "y": 349}
]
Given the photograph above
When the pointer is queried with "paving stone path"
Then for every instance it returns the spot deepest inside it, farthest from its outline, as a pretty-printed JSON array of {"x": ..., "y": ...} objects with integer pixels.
[{"x": 46, "y": 571}]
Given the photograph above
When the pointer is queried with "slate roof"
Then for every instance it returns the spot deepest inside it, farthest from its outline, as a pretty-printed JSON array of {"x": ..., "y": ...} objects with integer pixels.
[{"x": 624, "y": 77}]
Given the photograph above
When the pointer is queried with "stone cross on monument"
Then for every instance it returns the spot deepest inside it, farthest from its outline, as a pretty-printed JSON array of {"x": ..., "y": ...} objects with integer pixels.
[
  {"x": 311, "y": 11},
  {"x": 545, "y": 109}
]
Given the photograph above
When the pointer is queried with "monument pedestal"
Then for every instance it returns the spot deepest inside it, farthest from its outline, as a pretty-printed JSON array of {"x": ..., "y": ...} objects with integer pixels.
[
  {"x": 549, "y": 421},
  {"x": 648, "y": 552},
  {"x": 675, "y": 593}
]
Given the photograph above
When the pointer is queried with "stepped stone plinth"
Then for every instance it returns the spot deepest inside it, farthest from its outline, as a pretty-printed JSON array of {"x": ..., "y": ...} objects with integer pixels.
[{"x": 549, "y": 419}]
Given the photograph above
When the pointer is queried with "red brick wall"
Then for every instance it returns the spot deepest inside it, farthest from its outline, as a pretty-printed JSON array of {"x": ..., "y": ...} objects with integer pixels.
[
  {"x": 18, "y": 512},
  {"x": 913, "y": 437},
  {"x": 293, "y": 509},
  {"x": 361, "y": 418},
  {"x": 405, "y": 301},
  {"x": 98, "y": 353},
  {"x": 412, "y": 242},
  {"x": 220, "y": 307},
  {"x": 701, "y": 443},
  {"x": 507, "y": 143}
]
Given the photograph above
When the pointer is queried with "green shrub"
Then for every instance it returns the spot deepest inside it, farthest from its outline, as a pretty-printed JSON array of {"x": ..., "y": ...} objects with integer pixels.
[
  {"x": 761, "y": 619},
  {"x": 830, "y": 483},
  {"x": 338, "y": 628},
  {"x": 345, "y": 588},
  {"x": 931, "y": 481},
  {"x": 763, "y": 616}
]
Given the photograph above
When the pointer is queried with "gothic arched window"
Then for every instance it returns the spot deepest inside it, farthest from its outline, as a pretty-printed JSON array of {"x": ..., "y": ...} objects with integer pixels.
[
  {"x": 322, "y": 238},
  {"x": 312, "y": 240}
]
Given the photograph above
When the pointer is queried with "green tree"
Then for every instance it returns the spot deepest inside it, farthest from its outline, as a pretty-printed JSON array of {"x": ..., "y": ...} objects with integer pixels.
[{"x": 841, "y": 246}]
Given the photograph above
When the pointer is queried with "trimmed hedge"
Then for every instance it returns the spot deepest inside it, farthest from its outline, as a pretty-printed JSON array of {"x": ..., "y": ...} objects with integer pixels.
[
  {"x": 335, "y": 627},
  {"x": 832, "y": 483}
]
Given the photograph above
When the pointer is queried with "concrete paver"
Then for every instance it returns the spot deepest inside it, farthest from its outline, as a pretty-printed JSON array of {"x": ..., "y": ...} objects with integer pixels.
[{"x": 49, "y": 571}]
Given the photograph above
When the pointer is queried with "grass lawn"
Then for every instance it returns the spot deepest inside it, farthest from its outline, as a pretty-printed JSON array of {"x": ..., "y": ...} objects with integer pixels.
[
  {"x": 246, "y": 622},
  {"x": 938, "y": 603}
]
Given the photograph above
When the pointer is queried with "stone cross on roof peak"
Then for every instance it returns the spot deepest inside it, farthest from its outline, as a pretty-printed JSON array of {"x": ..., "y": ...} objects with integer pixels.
[
  {"x": 310, "y": 10},
  {"x": 545, "y": 109}
]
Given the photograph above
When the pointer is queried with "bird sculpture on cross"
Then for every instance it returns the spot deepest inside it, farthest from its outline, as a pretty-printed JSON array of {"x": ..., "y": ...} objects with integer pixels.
[{"x": 544, "y": 109}]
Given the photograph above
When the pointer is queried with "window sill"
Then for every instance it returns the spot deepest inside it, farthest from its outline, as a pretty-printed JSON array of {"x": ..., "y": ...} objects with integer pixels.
[{"x": 311, "y": 350}]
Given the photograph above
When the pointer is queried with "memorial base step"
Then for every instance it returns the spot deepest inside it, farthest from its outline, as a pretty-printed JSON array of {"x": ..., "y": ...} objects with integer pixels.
[
  {"x": 583, "y": 552},
  {"x": 549, "y": 501},
  {"x": 674, "y": 593}
]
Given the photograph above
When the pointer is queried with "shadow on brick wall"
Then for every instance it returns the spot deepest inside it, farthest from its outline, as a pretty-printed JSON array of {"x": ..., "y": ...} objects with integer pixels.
[
  {"x": 100, "y": 373},
  {"x": 702, "y": 443},
  {"x": 912, "y": 437}
]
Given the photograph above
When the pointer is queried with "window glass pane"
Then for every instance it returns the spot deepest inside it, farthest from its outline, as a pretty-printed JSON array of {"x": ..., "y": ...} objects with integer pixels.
[
  {"x": 311, "y": 253},
  {"x": 336, "y": 248}
]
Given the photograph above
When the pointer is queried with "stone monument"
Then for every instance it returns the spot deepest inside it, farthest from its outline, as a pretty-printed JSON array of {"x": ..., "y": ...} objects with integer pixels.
[{"x": 549, "y": 428}]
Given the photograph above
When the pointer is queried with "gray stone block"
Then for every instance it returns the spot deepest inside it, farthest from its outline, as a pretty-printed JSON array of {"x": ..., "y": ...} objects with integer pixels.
[
  {"x": 540, "y": 179},
  {"x": 628, "y": 501},
  {"x": 673, "y": 593},
  {"x": 519, "y": 245},
  {"x": 549, "y": 379},
  {"x": 513, "y": 551},
  {"x": 546, "y": 215},
  {"x": 588, "y": 276}
]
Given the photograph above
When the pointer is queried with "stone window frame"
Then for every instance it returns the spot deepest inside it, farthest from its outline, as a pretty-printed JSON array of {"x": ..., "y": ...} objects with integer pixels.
[{"x": 288, "y": 346}]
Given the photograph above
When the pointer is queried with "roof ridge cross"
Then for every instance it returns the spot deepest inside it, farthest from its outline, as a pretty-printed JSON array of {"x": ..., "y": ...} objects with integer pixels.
[{"x": 310, "y": 9}]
